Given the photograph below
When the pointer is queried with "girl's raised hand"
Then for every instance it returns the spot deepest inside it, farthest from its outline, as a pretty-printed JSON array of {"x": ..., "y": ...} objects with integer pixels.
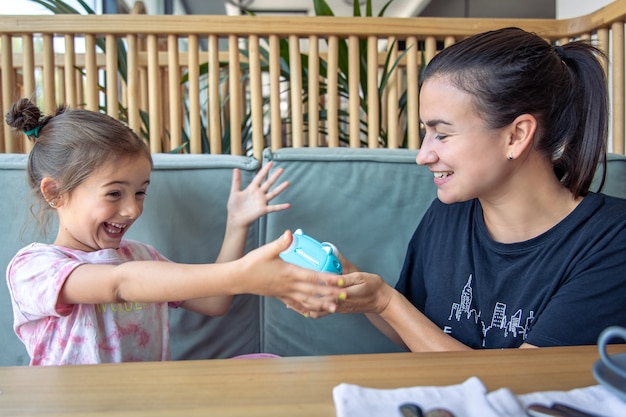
[{"x": 245, "y": 206}]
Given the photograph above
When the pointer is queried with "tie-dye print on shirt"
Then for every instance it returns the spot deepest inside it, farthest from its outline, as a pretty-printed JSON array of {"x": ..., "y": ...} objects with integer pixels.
[{"x": 57, "y": 334}]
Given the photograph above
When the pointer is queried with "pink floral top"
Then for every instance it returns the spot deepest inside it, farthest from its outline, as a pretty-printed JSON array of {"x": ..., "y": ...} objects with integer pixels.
[{"x": 59, "y": 334}]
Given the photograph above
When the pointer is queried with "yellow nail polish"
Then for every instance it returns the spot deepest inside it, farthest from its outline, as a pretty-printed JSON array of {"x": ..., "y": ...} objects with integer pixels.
[
  {"x": 341, "y": 282},
  {"x": 306, "y": 315},
  {"x": 332, "y": 309},
  {"x": 343, "y": 296}
]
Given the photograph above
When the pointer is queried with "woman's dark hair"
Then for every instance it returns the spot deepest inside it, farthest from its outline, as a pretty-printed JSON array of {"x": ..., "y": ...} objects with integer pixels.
[
  {"x": 70, "y": 145},
  {"x": 512, "y": 72}
]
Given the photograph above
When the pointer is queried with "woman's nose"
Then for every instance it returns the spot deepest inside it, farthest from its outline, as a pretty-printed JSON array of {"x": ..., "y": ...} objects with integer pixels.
[{"x": 425, "y": 155}]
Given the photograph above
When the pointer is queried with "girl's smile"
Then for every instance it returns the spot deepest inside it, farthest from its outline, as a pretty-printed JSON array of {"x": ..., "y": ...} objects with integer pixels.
[{"x": 97, "y": 213}]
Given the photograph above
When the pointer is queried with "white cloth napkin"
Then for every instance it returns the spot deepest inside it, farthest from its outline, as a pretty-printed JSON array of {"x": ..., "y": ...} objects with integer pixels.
[
  {"x": 469, "y": 399},
  {"x": 595, "y": 400},
  {"x": 464, "y": 400}
]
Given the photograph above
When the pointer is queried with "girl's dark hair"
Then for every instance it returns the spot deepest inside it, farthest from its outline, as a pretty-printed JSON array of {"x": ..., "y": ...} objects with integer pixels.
[
  {"x": 512, "y": 72},
  {"x": 70, "y": 145}
]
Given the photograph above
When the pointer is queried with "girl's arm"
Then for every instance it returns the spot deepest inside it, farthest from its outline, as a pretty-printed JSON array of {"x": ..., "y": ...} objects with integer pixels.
[
  {"x": 244, "y": 207},
  {"x": 260, "y": 272}
]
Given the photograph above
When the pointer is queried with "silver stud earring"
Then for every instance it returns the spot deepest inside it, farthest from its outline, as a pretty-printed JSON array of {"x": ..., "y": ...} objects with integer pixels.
[
  {"x": 52, "y": 203},
  {"x": 510, "y": 156}
]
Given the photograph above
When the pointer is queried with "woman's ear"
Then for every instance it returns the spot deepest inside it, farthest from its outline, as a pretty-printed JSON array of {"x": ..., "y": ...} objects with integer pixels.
[
  {"x": 523, "y": 131},
  {"x": 50, "y": 191}
]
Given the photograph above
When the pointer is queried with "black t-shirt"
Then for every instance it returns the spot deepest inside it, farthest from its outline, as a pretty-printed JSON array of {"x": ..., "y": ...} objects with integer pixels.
[{"x": 560, "y": 288}]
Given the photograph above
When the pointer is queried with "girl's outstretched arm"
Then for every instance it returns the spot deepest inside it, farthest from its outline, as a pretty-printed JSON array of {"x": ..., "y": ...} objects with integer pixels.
[{"x": 260, "y": 272}]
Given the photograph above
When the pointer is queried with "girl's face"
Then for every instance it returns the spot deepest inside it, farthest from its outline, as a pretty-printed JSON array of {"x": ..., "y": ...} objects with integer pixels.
[
  {"x": 466, "y": 156},
  {"x": 97, "y": 213}
]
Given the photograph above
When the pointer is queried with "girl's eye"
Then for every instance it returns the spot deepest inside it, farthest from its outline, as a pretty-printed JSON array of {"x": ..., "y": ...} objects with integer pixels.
[{"x": 141, "y": 194}]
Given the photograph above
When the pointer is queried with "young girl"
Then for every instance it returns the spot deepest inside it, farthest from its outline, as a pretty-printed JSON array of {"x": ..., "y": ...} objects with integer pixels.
[
  {"x": 94, "y": 172},
  {"x": 516, "y": 251}
]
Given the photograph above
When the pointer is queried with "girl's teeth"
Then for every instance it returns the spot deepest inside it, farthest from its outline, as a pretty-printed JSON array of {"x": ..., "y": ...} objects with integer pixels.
[{"x": 114, "y": 227}]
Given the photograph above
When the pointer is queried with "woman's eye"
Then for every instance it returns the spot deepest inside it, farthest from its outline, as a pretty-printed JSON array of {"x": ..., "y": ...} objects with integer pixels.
[
  {"x": 440, "y": 136},
  {"x": 114, "y": 194}
]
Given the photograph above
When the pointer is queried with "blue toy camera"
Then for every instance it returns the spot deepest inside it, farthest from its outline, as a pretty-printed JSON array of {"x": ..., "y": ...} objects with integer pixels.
[{"x": 307, "y": 252}]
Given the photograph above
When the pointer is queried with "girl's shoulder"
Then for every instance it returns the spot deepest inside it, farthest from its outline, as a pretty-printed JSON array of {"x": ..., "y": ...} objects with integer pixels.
[
  {"x": 135, "y": 250},
  {"x": 128, "y": 250}
]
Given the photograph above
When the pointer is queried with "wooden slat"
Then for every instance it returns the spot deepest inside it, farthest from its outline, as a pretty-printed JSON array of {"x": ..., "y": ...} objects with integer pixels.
[
  {"x": 112, "y": 97},
  {"x": 8, "y": 144},
  {"x": 132, "y": 84},
  {"x": 295, "y": 89},
  {"x": 154, "y": 102},
  {"x": 256, "y": 97},
  {"x": 195, "y": 138},
  {"x": 49, "y": 90},
  {"x": 92, "y": 73},
  {"x": 392, "y": 99},
  {"x": 285, "y": 25},
  {"x": 313, "y": 91},
  {"x": 70, "y": 71},
  {"x": 276, "y": 121},
  {"x": 618, "y": 87},
  {"x": 213, "y": 117},
  {"x": 412, "y": 112},
  {"x": 354, "y": 84},
  {"x": 173, "y": 82},
  {"x": 29, "y": 89},
  {"x": 332, "y": 95},
  {"x": 234, "y": 87},
  {"x": 373, "y": 108}
]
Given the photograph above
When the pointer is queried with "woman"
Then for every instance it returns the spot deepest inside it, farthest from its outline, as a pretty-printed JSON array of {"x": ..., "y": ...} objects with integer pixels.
[{"x": 516, "y": 251}]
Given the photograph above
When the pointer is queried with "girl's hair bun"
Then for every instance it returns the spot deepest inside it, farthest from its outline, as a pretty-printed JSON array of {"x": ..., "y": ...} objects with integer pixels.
[{"x": 25, "y": 116}]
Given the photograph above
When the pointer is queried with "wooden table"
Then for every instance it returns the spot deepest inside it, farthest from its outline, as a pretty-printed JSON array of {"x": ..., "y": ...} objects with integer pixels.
[{"x": 293, "y": 387}]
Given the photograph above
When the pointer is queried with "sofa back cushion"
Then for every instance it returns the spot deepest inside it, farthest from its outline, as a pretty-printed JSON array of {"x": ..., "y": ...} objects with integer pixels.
[
  {"x": 18, "y": 228},
  {"x": 365, "y": 201},
  {"x": 185, "y": 219}
]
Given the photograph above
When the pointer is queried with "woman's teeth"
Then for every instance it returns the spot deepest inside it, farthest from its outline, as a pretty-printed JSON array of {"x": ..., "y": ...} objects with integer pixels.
[{"x": 442, "y": 174}]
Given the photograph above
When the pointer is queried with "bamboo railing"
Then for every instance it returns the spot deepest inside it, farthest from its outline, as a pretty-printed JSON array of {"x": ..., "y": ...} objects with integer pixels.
[{"x": 191, "y": 83}]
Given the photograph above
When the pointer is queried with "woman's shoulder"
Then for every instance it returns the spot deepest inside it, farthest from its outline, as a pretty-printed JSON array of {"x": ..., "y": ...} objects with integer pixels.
[{"x": 607, "y": 207}]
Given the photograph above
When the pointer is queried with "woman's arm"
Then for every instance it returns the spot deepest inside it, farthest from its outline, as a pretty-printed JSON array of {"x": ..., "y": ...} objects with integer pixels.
[{"x": 394, "y": 315}]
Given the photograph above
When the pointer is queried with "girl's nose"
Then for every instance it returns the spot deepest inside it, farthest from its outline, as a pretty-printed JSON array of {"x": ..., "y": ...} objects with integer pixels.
[{"x": 132, "y": 209}]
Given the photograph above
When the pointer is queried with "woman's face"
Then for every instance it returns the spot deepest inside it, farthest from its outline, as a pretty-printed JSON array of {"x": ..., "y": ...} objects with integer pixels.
[
  {"x": 97, "y": 213},
  {"x": 466, "y": 156}
]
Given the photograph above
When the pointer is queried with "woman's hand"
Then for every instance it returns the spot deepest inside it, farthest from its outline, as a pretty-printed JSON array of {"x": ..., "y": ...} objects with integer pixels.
[{"x": 363, "y": 293}]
